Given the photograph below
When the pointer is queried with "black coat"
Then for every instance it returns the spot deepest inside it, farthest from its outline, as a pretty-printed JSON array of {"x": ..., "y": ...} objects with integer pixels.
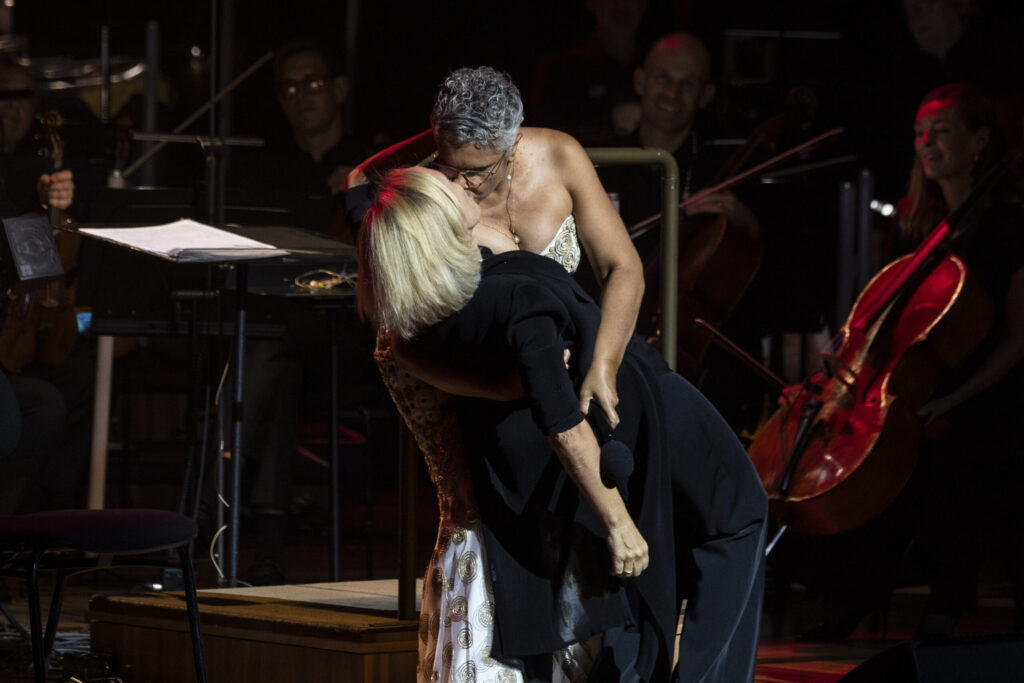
[{"x": 548, "y": 557}]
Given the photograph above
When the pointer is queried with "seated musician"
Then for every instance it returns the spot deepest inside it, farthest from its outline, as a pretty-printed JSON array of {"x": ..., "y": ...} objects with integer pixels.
[
  {"x": 17, "y": 116},
  {"x": 674, "y": 86},
  {"x": 675, "y": 90},
  {"x": 54, "y": 395},
  {"x": 961, "y": 501},
  {"x": 308, "y": 165},
  {"x": 315, "y": 152},
  {"x": 971, "y": 464}
]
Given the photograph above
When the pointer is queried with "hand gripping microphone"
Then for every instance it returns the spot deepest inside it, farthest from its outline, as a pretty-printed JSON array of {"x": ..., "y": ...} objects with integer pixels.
[{"x": 616, "y": 458}]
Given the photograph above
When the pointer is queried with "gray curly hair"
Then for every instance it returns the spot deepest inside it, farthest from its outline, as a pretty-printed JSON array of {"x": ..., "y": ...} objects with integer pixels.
[{"x": 479, "y": 106}]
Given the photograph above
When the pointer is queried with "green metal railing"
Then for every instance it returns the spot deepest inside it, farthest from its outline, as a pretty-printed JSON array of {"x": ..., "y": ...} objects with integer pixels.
[{"x": 635, "y": 156}]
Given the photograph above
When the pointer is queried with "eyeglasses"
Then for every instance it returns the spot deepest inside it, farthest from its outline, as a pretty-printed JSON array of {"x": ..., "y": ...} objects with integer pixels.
[
  {"x": 310, "y": 85},
  {"x": 473, "y": 177}
]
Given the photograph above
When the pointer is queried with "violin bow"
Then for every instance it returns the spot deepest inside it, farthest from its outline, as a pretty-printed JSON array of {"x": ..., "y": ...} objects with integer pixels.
[{"x": 643, "y": 226}]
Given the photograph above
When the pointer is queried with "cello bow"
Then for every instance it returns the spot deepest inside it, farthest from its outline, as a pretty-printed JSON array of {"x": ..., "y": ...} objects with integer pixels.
[{"x": 643, "y": 226}]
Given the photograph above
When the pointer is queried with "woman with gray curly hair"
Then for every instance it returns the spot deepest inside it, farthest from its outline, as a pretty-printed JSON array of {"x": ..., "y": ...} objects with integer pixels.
[
  {"x": 480, "y": 107},
  {"x": 537, "y": 191}
]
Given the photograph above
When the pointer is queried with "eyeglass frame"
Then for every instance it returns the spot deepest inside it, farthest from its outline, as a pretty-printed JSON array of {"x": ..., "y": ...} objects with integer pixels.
[
  {"x": 452, "y": 173},
  {"x": 308, "y": 85}
]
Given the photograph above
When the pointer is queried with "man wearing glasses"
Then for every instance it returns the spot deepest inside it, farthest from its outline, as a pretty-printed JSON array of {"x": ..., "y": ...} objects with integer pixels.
[
  {"x": 312, "y": 156},
  {"x": 304, "y": 169},
  {"x": 311, "y": 93}
]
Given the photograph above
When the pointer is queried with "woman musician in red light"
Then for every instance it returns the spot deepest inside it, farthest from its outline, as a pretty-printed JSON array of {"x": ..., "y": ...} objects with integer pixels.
[{"x": 971, "y": 453}]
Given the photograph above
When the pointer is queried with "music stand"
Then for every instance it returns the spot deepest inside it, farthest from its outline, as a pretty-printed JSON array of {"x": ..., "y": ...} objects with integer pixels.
[{"x": 289, "y": 244}]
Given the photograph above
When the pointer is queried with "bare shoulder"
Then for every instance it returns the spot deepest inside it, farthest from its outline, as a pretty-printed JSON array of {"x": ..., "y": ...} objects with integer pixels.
[
  {"x": 553, "y": 144},
  {"x": 561, "y": 153}
]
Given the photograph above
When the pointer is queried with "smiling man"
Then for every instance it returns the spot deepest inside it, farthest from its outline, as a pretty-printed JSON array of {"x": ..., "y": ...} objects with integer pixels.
[{"x": 673, "y": 85}]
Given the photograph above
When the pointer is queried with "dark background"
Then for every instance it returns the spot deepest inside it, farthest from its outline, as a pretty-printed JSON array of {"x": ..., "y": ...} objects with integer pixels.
[
  {"x": 857, "y": 57},
  {"x": 869, "y": 80}
]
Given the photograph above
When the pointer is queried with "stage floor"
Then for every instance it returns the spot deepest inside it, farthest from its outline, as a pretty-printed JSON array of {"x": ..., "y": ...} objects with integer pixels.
[
  {"x": 369, "y": 553},
  {"x": 782, "y": 656}
]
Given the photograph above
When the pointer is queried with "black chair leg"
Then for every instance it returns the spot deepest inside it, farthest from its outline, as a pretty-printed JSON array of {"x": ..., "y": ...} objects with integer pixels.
[
  {"x": 36, "y": 620},
  {"x": 53, "y": 618},
  {"x": 192, "y": 601}
]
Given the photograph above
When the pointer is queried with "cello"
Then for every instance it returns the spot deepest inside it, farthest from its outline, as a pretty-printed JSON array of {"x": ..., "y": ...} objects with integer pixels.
[
  {"x": 843, "y": 444},
  {"x": 717, "y": 260}
]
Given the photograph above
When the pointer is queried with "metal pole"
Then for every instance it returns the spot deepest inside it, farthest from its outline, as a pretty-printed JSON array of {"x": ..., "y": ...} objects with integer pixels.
[
  {"x": 100, "y": 421},
  {"x": 845, "y": 251},
  {"x": 865, "y": 219},
  {"x": 332, "y": 441},
  {"x": 669, "y": 231},
  {"x": 194, "y": 116},
  {"x": 242, "y": 275},
  {"x": 150, "y": 102},
  {"x": 407, "y": 523},
  {"x": 225, "y": 67},
  {"x": 104, "y": 74},
  {"x": 352, "y": 33}
]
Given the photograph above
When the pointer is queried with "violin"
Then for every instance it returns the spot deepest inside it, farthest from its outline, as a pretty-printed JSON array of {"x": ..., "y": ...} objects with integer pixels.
[
  {"x": 40, "y": 325},
  {"x": 843, "y": 444}
]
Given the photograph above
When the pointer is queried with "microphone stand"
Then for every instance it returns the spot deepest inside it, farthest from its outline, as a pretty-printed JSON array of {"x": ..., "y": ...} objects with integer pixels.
[{"x": 192, "y": 118}]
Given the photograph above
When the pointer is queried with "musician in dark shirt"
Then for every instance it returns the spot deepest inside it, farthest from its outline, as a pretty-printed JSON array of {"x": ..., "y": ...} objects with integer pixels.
[
  {"x": 961, "y": 501},
  {"x": 25, "y": 186},
  {"x": 972, "y": 460},
  {"x": 674, "y": 86},
  {"x": 54, "y": 402},
  {"x": 305, "y": 169},
  {"x": 307, "y": 165}
]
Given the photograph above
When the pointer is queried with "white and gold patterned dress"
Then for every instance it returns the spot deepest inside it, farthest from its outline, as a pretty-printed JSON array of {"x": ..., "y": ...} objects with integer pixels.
[
  {"x": 457, "y": 612},
  {"x": 564, "y": 247}
]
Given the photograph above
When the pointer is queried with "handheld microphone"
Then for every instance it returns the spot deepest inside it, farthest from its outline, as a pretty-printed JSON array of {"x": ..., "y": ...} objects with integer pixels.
[{"x": 616, "y": 458}]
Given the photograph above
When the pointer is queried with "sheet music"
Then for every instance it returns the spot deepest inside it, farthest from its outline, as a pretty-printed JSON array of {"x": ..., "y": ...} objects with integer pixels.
[{"x": 186, "y": 240}]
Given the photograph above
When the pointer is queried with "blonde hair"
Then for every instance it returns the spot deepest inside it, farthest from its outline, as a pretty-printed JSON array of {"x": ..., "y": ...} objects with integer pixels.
[{"x": 417, "y": 265}]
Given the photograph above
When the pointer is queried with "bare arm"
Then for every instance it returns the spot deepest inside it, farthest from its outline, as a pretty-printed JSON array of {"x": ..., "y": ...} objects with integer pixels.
[
  {"x": 405, "y": 153},
  {"x": 458, "y": 380},
  {"x": 1004, "y": 357},
  {"x": 612, "y": 252},
  {"x": 579, "y": 454}
]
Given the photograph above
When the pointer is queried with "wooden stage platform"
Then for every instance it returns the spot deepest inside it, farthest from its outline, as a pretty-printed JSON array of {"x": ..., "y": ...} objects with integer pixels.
[
  {"x": 325, "y": 632},
  {"x": 347, "y": 633}
]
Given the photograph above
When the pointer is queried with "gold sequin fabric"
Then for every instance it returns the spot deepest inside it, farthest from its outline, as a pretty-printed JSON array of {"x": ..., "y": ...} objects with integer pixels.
[
  {"x": 457, "y": 612},
  {"x": 565, "y": 246},
  {"x": 430, "y": 416}
]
